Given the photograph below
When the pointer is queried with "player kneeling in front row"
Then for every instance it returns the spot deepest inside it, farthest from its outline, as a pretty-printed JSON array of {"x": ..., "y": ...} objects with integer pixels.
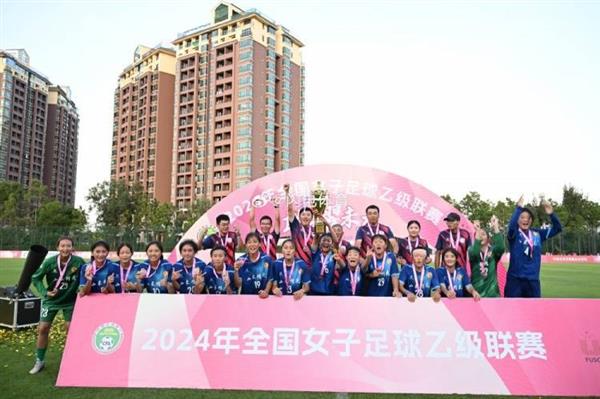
[
  {"x": 419, "y": 280},
  {"x": 127, "y": 269},
  {"x": 351, "y": 273},
  {"x": 155, "y": 274},
  {"x": 252, "y": 271},
  {"x": 290, "y": 274},
  {"x": 453, "y": 279},
  {"x": 188, "y": 272},
  {"x": 100, "y": 275},
  {"x": 381, "y": 269},
  {"x": 218, "y": 278}
]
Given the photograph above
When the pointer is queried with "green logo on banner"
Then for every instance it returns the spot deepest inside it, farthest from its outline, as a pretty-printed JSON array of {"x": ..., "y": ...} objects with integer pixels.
[{"x": 107, "y": 338}]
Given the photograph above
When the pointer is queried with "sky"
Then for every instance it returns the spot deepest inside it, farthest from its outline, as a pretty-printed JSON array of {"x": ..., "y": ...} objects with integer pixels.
[{"x": 499, "y": 97}]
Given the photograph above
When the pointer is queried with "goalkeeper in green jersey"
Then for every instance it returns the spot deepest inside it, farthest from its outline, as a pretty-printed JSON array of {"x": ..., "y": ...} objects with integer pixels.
[
  {"x": 484, "y": 255},
  {"x": 59, "y": 292}
]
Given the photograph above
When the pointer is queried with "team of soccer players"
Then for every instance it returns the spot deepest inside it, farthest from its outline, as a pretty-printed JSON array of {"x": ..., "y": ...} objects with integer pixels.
[{"x": 378, "y": 264}]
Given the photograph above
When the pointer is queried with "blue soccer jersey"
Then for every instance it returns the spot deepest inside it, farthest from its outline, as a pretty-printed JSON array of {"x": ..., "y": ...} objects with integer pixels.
[
  {"x": 126, "y": 276},
  {"x": 186, "y": 273},
  {"x": 100, "y": 276},
  {"x": 382, "y": 285},
  {"x": 321, "y": 273},
  {"x": 255, "y": 275},
  {"x": 291, "y": 278},
  {"x": 153, "y": 282},
  {"x": 215, "y": 282},
  {"x": 350, "y": 282},
  {"x": 526, "y": 246},
  {"x": 457, "y": 280},
  {"x": 428, "y": 281}
]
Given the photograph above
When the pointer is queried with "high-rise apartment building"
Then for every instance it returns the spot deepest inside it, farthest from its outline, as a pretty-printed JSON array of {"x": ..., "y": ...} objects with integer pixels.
[
  {"x": 60, "y": 164},
  {"x": 39, "y": 128},
  {"x": 142, "y": 145},
  {"x": 23, "y": 114},
  {"x": 239, "y": 104}
]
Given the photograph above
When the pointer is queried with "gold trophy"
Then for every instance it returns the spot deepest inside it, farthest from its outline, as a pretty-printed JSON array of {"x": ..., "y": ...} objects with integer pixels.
[{"x": 318, "y": 205}]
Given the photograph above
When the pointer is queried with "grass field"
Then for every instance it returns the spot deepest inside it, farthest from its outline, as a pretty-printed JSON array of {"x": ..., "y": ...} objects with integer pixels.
[{"x": 17, "y": 349}]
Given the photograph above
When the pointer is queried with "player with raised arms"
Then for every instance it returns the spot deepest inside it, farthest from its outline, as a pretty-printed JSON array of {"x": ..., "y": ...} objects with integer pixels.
[
  {"x": 267, "y": 231},
  {"x": 302, "y": 232},
  {"x": 525, "y": 244}
]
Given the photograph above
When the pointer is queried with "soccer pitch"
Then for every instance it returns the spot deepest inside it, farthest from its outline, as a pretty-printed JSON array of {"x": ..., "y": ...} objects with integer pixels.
[{"x": 17, "y": 349}]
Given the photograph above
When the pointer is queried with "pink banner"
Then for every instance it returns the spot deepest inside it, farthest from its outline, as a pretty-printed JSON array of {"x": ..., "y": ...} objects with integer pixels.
[
  {"x": 339, "y": 344},
  {"x": 350, "y": 190}
]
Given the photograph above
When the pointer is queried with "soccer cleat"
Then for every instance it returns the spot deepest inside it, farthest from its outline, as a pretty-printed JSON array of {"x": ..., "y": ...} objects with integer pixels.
[{"x": 37, "y": 367}]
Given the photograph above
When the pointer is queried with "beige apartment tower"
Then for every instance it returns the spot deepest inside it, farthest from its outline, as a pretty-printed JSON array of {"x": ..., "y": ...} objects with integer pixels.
[
  {"x": 239, "y": 104},
  {"x": 143, "y": 122}
]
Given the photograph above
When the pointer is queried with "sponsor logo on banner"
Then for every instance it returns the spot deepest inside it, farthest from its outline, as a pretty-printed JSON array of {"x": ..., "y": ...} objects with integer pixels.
[
  {"x": 107, "y": 338},
  {"x": 590, "y": 348}
]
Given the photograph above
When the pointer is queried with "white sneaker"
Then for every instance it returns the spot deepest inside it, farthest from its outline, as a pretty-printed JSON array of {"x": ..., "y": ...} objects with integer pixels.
[{"x": 37, "y": 367}]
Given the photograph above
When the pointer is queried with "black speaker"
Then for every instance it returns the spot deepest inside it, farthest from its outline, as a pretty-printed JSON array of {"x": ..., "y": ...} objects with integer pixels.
[
  {"x": 18, "y": 313},
  {"x": 35, "y": 257}
]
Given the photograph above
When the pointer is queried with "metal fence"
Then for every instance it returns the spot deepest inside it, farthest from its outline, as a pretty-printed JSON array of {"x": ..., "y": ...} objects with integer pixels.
[
  {"x": 24, "y": 237},
  {"x": 583, "y": 243}
]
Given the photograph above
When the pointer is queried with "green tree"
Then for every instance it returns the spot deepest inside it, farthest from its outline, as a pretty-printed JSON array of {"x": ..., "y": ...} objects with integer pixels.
[
  {"x": 475, "y": 207},
  {"x": 117, "y": 204},
  {"x": 186, "y": 217},
  {"x": 503, "y": 210},
  {"x": 55, "y": 214},
  {"x": 448, "y": 198},
  {"x": 11, "y": 195},
  {"x": 34, "y": 197},
  {"x": 158, "y": 219},
  {"x": 581, "y": 222}
]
